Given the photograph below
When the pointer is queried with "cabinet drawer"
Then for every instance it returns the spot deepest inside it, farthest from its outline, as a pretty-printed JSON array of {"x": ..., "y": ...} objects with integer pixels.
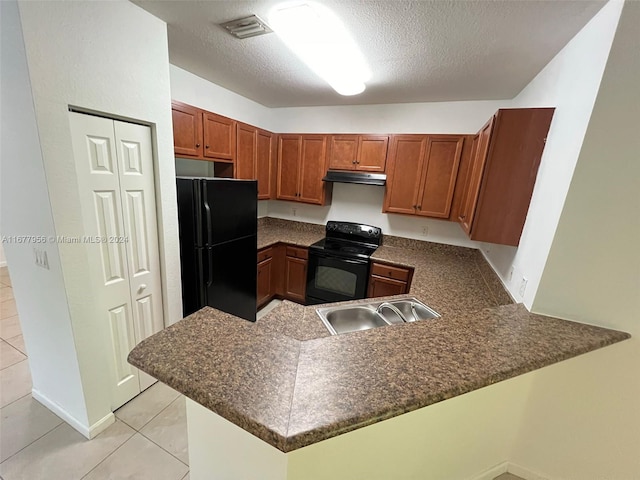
[
  {"x": 388, "y": 271},
  {"x": 265, "y": 254},
  {"x": 297, "y": 252}
]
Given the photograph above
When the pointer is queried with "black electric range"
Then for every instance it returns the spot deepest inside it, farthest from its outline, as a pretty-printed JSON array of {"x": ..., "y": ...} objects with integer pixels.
[{"x": 338, "y": 267}]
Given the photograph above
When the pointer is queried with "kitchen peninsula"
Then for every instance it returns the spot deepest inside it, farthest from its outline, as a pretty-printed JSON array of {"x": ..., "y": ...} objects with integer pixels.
[{"x": 282, "y": 399}]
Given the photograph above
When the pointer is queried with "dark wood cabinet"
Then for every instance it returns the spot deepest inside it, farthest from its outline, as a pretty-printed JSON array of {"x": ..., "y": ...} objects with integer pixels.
[
  {"x": 386, "y": 280},
  {"x": 202, "y": 135},
  {"x": 295, "y": 273},
  {"x": 265, "y": 164},
  {"x": 219, "y": 137},
  {"x": 187, "y": 130},
  {"x": 301, "y": 167},
  {"x": 266, "y": 286},
  {"x": 246, "y": 152},
  {"x": 358, "y": 152},
  {"x": 422, "y": 174},
  {"x": 505, "y": 163}
]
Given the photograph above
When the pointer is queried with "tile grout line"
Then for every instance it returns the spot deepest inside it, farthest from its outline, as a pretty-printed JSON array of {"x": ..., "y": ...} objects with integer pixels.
[
  {"x": 155, "y": 443},
  {"x": 105, "y": 458},
  {"x": 62, "y": 422}
]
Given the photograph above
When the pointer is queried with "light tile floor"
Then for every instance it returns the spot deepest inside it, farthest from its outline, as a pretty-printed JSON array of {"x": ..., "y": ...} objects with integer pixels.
[{"x": 147, "y": 441}]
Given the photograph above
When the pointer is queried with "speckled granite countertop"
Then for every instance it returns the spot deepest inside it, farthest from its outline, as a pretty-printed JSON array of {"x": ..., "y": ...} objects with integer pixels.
[{"x": 287, "y": 381}]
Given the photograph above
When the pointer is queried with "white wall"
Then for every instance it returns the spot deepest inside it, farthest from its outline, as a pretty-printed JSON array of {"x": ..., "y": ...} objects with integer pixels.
[
  {"x": 363, "y": 203},
  {"x": 570, "y": 83},
  {"x": 110, "y": 58},
  {"x": 189, "y": 88},
  {"x": 584, "y": 423},
  {"x": 26, "y": 210}
]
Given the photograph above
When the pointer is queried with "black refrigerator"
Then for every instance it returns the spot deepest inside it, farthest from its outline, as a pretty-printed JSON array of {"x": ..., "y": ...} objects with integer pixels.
[{"x": 218, "y": 244}]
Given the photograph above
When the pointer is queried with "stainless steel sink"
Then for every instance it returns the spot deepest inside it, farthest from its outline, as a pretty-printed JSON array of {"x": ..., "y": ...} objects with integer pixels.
[{"x": 351, "y": 318}]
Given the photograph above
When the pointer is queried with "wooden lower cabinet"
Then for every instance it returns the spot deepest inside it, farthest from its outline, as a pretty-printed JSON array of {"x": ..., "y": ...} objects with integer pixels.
[
  {"x": 266, "y": 282},
  {"x": 387, "y": 280},
  {"x": 295, "y": 274},
  {"x": 282, "y": 273}
]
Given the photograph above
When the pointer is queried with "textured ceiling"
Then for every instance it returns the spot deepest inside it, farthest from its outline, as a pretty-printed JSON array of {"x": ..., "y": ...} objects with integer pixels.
[{"x": 418, "y": 51}]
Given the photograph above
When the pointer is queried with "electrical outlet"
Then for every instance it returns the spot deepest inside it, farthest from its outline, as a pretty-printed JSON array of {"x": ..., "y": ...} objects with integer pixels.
[
  {"x": 523, "y": 286},
  {"x": 511, "y": 273},
  {"x": 294, "y": 211},
  {"x": 41, "y": 258},
  {"x": 425, "y": 231}
]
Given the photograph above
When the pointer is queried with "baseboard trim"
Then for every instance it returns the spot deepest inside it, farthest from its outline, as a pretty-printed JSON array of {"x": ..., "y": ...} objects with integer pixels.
[
  {"x": 87, "y": 431},
  {"x": 525, "y": 473},
  {"x": 493, "y": 472}
]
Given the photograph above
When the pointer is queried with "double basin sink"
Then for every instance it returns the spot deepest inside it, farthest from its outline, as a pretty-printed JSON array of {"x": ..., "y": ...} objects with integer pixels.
[{"x": 363, "y": 316}]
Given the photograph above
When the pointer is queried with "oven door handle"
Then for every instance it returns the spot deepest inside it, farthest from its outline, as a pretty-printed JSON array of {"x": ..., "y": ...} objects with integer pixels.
[{"x": 342, "y": 259}]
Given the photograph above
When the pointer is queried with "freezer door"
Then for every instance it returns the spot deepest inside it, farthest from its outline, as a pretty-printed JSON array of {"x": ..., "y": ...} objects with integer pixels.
[
  {"x": 230, "y": 277},
  {"x": 229, "y": 209}
]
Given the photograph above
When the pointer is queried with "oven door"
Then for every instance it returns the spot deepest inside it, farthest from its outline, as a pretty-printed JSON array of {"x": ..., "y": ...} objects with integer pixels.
[{"x": 335, "y": 279}]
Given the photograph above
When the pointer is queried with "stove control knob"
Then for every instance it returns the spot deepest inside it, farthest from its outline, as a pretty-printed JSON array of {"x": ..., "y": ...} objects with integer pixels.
[{"x": 370, "y": 231}]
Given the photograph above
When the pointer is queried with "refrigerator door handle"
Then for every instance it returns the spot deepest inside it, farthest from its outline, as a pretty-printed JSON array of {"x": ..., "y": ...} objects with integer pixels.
[
  {"x": 209, "y": 267},
  {"x": 201, "y": 285},
  {"x": 207, "y": 212},
  {"x": 197, "y": 198}
]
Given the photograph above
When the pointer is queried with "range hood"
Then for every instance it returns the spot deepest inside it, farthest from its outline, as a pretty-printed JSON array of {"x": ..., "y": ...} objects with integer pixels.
[{"x": 355, "y": 177}]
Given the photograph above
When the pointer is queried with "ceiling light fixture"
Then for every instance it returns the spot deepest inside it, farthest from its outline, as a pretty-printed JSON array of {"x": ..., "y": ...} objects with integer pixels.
[{"x": 318, "y": 37}]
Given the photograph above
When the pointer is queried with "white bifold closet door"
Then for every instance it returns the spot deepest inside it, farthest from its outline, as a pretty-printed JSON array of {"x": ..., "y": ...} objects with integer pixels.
[{"x": 114, "y": 165}]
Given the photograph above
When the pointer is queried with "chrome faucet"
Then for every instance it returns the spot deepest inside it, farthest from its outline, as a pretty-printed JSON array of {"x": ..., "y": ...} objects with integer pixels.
[{"x": 391, "y": 307}]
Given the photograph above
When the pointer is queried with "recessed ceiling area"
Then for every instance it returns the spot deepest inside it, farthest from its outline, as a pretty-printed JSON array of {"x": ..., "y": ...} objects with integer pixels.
[{"x": 418, "y": 51}]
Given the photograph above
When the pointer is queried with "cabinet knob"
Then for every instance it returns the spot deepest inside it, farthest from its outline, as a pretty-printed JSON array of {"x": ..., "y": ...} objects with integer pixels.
[
  {"x": 197, "y": 145},
  {"x": 354, "y": 162},
  {"x": 142, "y": 288},
  {"x": 419, "y": 207},
  {"x": 206, "y": 146},
  {"x": 462, "y": 217}
]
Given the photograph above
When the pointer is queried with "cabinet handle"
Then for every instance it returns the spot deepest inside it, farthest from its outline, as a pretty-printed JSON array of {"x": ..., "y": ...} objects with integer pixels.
[
  {"x": 206, "y": 146},
  {"x": 419, "y": 207},
  {"x": 354, "y": 162},
  {"x": 462, "y": 217},
  {"x": 197, "y": 145}
]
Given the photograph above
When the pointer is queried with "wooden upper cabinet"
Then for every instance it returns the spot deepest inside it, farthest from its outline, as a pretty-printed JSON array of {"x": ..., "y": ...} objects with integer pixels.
[
  {"x": 289, "y": 153},
  {"x": 422, "y": 174},
  {"x": 219, "y": 137},
  {"x": 403, "y": 173},
  {"x": 358, "y": 152},
  {"x": 246, "y": 152},
  {"x": 187, "y": 129},
  {"x": 301, "y": 167},
  {"x": 439, "y": 175},
  {"x": 508, "y": 153},
  {"x": 264, "y": 164},
  {"x": 372, "y": 153},
  {"x": 312, "y": 169},
  {"x": 343, "y": 150}
]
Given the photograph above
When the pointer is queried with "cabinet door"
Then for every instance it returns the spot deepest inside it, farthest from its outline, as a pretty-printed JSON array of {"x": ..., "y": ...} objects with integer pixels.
[
  {"x": 372, "y": 153},
  {"x": 219, "y": 137},
  {"x": 343, "y": 152},
  {"x": 482, "y": 146},
  {"x": 312, "y": 169},
  {"x": 295, "y": 279},
  {"x": 187, "y": 130},
  {"x": 511, "y": 166},
  {"x": 289, "y": 151},
  {"x": 265, "y": 290},
  {"x": 385, "y": 287},
  {"x": 404, "y": 171},
  {"x": 246, "y": 137},
  {"x": 264, "y": 164},
  {"x": 439, "y": 176}
]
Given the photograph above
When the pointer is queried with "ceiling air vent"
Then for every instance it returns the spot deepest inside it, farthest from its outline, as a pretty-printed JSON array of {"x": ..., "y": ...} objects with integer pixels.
[{"x": 247, "y": 27}]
